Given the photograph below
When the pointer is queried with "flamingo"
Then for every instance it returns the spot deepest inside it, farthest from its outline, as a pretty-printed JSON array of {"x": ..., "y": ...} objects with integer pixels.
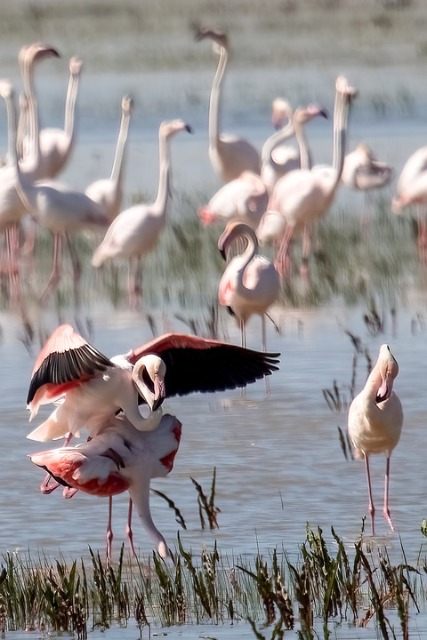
[
  {"x": 96, "y": 387},
  {"x": 107, "y": 192},
  {"x": 375, "y": 421},
  {"x": 245, "y": 198},
  {"x": 136, "y": 230},
  {"x": 250, "y": 283},
  {"x": 12, "y": 209},
  {"x": 278, "y": 158},
  {"x": 303, "y": 196},
  {"x": 230, "y": 155},
  {"x": 412, "y": 190},
  {"x": 56, "y": 207},
  {"x": 56, "y": 145},
  {"x": 119, "y": 459},
  {"x": 363, "y": 172}
]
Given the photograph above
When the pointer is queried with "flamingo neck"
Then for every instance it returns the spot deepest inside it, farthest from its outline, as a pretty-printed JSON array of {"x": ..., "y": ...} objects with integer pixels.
[
  {"x": 140, "y": 495},
  {"x": 11, "y": 119},
  {"x": 70, "y": 106},
  {"x": 274, "y": 140},
  {"x": 117, "y": 169},
  {"x": 246, "y": 257},
  {"x": 33, "y": 113},
  {"x": 341, "y": 112},
  {"x": 215, "y": 100},
  {"x": 163, "y": 189},
  {"x": 304, "y": 152}
]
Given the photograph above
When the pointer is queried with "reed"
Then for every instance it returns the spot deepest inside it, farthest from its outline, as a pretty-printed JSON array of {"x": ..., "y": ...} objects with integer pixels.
[{"x": 329, "y": 584}]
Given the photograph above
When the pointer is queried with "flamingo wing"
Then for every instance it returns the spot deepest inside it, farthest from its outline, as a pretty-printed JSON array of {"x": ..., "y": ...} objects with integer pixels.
[
  {"x": 205, "y": 365},
  {"x": 65, "y": 361}
]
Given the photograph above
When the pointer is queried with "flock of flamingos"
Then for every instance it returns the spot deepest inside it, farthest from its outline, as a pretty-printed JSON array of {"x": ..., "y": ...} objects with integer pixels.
[{"x": 267, "y": 197}]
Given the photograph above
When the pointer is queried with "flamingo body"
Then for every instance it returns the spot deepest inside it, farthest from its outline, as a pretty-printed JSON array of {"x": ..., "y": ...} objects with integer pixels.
[
  {"x": 375, "y": 419},
  {"x": 245, "y": 199},
  {"x": 119, "y": 459}
]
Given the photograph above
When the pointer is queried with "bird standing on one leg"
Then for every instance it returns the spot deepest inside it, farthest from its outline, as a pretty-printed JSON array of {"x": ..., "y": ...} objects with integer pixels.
[{"x": 375, "y": 421}]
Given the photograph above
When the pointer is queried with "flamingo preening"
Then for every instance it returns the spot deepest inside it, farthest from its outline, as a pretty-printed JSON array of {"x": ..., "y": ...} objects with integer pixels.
[
  {"x": 375, "y": 421},
  {"x": 250, "y": 283}
]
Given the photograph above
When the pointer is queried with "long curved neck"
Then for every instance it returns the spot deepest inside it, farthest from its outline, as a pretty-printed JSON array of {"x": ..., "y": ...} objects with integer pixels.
[
  {"x": 116, "y": 171},
  {"x": 70, "y": 105},
  {"x": 140, "y": 495},
  {"x": 215, "y": 101},
  {"x": 11, "y": 125},
  {"x": 304, "y": 152},
  {"x": 341, "y": 111},
  {"x": 163, "y": 189},
  {"x": 33, "y": 115},
  {"x": 275, "y": 139},
  {"x": 246, "y": 257}
]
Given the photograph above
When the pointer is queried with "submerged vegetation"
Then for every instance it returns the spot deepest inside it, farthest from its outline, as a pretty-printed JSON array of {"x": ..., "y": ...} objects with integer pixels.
[
  {"x": 350, "y": 263},
  {"x": 329, "y": 584}
]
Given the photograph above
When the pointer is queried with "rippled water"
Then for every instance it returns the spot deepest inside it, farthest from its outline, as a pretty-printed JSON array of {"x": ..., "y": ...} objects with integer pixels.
[{"x": 278, "y": 458}]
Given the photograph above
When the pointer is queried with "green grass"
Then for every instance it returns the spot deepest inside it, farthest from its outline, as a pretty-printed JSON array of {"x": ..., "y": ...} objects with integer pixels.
[{"x": 329, "y": 584}]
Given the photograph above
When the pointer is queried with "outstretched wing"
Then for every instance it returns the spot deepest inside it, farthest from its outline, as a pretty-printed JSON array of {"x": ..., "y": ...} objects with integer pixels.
[
  {"x": 65, "y": 361},
  {"x": 199, "y": 364}
]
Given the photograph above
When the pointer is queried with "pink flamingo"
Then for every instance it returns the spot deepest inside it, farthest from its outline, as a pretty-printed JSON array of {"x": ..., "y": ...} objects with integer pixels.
[
  {"x": 375, "y": 422},
  {"x": 12, "y": 208},
  {"x": 107, "y": 192},
  {"x": 303, "y": 196},
  {"x": 250, "y": 283},
  {"x": 230, "y": 155},
  {"x": 136, "y": 230},
  {"x": 245, "y": 199},
  {"x": 96, "y": 387},
  {"x": 363, "y": 172},
  {"x": 56, "y": 145},
  {"x": 412, "y": 190},
  {"x": 120, "y": 459},
  {"x": 56, "y": 207},
  {"x": 278, "y": 158}
]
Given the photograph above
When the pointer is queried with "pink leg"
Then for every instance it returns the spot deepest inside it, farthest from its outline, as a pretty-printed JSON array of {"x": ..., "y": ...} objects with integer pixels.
[
  {"x": 12, "y": 244},
  {"x": 371, "y": 506},
  {"x": 109, "y": 530},
  {"x": 306, "y": 251},
  {"x": 77, "y": 269},
  {"x": 129, "y": 531},
  {"x": 282, "y": 262},
  {"x": 386, "y": 509},
  {"x": 55, "y": 276}
]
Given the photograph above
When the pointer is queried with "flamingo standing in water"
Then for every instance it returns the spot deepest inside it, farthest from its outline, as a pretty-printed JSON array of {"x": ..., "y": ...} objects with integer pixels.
[
  {"x": 245, "y": 199},
  {"x": 56, "y": 207},
  {"x": 12, "y": 209},
  {"x": 230, "y": 155},
  {"x": 120, "y": 459},
  {"x": 136, "y": 230},
  {"x": 375, "y": 421},
  {"x": 363, "y": 172},
  {"x": 107, "y": 192},
  {"x": 412, "y": 190},
  {"x": 250, "y": 283},
  {"x": 303, "y": 196},
  {"x": 94, "y": 387}
]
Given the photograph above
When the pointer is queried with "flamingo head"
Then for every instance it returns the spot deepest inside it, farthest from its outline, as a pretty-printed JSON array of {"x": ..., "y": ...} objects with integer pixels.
[
  {"x": 169, "y": 128},
  {"x": 127, "y": 105},
  {"x": 148, "y": 376},
  {"x": 6, "y": 89},
  {"x": 232, "y": 231},
  {"x": 31, "y": 53},
  {"x": 302, "y": 115},
  {"x": 281, "y": 112},
  {"x": 388, "y": 370},
  {"x": 75, "y": 66}
]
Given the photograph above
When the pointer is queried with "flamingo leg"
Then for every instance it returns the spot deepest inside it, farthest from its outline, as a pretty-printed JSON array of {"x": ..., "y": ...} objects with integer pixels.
[
  {"x": 282, "y": 262},
  {"x": 386, "y": 509},
  {"x": 264, "y": 348},
  {"x": 109, "y": 530},
  {"x": 306, "y": 251},
  {"x": 77, "y": 269},
  {"x": 55, "y": 276},
  {"x": 129, "y": 531},
  {"x": 12, "y": 245},
  {"x": 371, "y": 506}
]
